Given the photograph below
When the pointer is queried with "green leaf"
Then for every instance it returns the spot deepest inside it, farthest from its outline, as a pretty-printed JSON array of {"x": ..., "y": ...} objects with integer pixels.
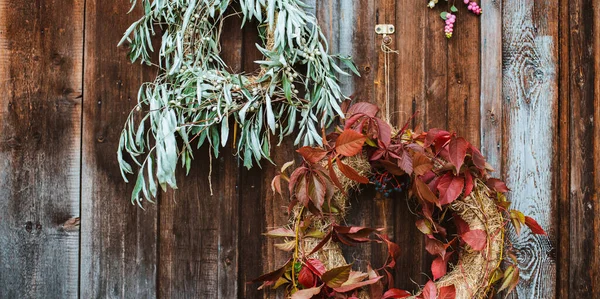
[
  {"x": 224, "y": 131},
  {"x": 139, "y": 183},
  {"x": 444, "y": 15},
  {"x": 453, "y": 8}
]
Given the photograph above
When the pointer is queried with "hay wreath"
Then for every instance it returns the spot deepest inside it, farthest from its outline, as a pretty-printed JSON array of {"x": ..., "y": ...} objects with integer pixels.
[
  {"x": 196, "y": 97},
  {"x": 449, "y": 178}
]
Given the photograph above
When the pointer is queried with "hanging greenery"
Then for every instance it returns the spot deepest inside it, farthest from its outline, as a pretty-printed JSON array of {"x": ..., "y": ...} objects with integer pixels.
[
  {"x": 198, "y": 100},
  {"x": 463, "y": 213}
]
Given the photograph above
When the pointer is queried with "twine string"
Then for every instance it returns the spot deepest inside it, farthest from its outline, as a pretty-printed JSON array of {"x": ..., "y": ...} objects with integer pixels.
[{"x": 386, "y": 70}]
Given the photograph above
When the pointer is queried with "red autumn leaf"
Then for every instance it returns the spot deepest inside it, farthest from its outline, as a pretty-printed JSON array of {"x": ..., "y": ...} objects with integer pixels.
[
  {"x": 352, "y": 120},
  {"x": 356, "y": 230},
  {"x": 353, "y": 234},
  {"x": 435, "y": 247},
  {"x": 276, "y": 184},
  {"x": 439, "y": 268},
  {"x": 534, "y": 226},
  {"x": 317, "y": 191},
  {"x": 385, "y": 131},
  {"x": 406, "y": 163},
  {"x": 306, "y": 278},
  {"x": 477, "y": 157},
  {"x": 421, "y": 164},
  {"x": 368, "y": 109},
  {"x": 429, "y": 178},
  {"x": 453, "y": 190},
  {"x": 272, "y": 277},
  {"x": 296, "y": 176},
  {"x": 393, "y": 250},
  {"x": 476, "y": 238},
  {"x": 437, "y": 136},
  {"x": 333, "y": 176},
  {"x": 447, "y": 292},
  {"x": 395, "y": 294},
  {"x": 391, "y": 167},
  {"x": 351, "y": 173},
  {"x": 335, "y": 277},
  {"x": 322, "y": 243},
  {"x": 442, "y": 183},
  {"x": 377, "y": 154},
  {"x": 351, "y": 286},
  {"x": 427, "y": 210},
  {"x": 307, "y": 293},
  {"x": 497, "y": 185},
  {"x": 429, "y": 291},
  {"x": 440, "y": 145},
  {"x": 376, "y": 289},
  {"x": 458, "y": 151},
  {"x": 316, "y": 266},
  {"x": 424, "y": 192},
  {"x": 461, "y": 225},
  {"x": 350, "y": 143},
  {"x": 311, "y": 154},
  {"x": 424, "y": 226},
  {"x": 302, "y": 191},
  {"x": 468, "y": 183}
]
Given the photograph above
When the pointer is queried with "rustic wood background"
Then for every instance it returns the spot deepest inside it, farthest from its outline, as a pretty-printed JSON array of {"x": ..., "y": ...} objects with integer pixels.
[{"x": 522, "y": 81}]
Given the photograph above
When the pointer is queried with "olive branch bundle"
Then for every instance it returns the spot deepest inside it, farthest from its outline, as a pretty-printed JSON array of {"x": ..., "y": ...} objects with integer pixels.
[{"x": 196, "y": 99}]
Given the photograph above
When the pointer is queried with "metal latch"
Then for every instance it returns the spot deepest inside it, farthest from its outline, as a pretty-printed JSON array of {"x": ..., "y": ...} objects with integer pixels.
[{"x": 385, "y": 29}]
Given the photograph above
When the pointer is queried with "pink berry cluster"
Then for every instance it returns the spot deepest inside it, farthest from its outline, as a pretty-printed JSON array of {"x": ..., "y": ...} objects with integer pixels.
[
  {"x": 450, "y": 20},
  {"x": 473, "y": 7}
]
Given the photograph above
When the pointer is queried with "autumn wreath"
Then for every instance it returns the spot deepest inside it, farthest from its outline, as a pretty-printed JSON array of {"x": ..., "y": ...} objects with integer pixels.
[{"x": 448, "y": 177}]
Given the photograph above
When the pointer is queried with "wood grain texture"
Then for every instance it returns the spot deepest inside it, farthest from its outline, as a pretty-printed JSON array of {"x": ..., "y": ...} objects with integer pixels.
[
  {"x": 584, "y": 228},
  {"x": 259, "y": 208},
  {"x": 357, "y": 36},
  {"x": 530, "y": 91},
  {"x": 563, "y": 179},
  {"x": 433, "y": 108},
  {"x": 198, "y": 241},
  {"x": 118, "y": 239},
  {"x": 41, "y": 55},
  {"x": 421, "y": 91},
  {"x": 491, "y": 109},
  {"x": 464, "y": 76}
]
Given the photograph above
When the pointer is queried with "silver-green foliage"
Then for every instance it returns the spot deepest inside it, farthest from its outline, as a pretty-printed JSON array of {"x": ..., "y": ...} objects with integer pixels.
[{"x": 195, "y": 99}]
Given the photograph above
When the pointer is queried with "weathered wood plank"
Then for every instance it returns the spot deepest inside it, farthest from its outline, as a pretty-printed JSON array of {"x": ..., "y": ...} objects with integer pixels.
[
  {"x": 434, "y": 107},
  {"x": 118, "y": 239},
  {"x": 259, "y": 208},
  {"x": 584, "y": 229},
  {"x": 198, "y": 245},
  {"x": 41, "y": 55},
  {"x": 464, "y": 83},
  {"x": 563, "y": 179},
  {"x": 366, "y": 209},
  {"x": 530, "y": 90},
  {"x": 417, "y": 90},
  {"x": 491, "y": 83},
  {"x": 356, "y": 35}
]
